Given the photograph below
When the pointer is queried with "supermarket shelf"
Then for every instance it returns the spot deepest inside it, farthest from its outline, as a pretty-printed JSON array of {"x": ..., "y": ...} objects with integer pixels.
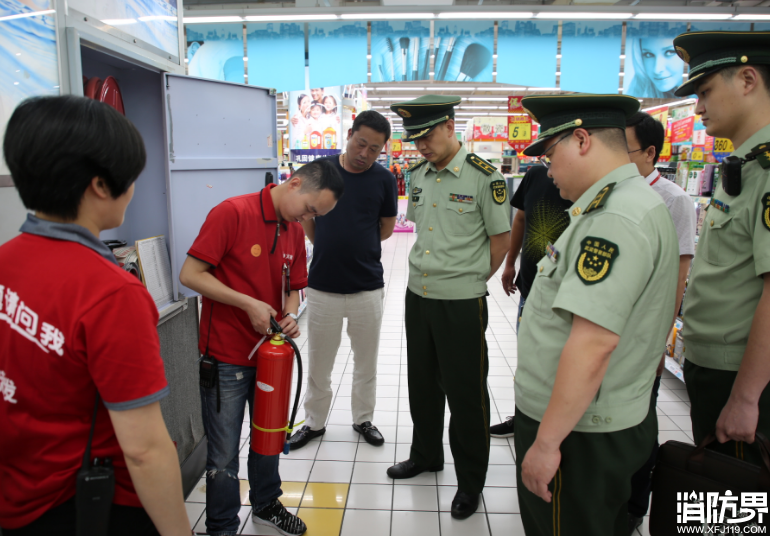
[{"x": 674, "y": 368}]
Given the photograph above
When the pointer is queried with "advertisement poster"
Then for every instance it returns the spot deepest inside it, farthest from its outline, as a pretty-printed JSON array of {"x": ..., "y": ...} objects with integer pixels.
[
  {"x": 662, "y": 117},
  {"x": 526, "y": 52},
  {"x": 216, "y": 51},
  {"x": 490, "y": 129},
  {"x": 337, "y": 53},
  {"x": 27, "y": 56},
  {"x": 153, "y": 21},
  {"x": 284, "y": 71},
  {"x": 590, "y": 56},
  {"x": 698, "y": 132},
  {"x": 681, "y": 130},
  {"x": 463, "y": 51},
  {"x": 665, "y": 152},
  {"x": 519, "y": 132},
  {"x": 652, "y": 67},
  {"x": 514, "y": 104},
  {"x": 400, "y": 51},
  {"x": 315, "y": 123}
]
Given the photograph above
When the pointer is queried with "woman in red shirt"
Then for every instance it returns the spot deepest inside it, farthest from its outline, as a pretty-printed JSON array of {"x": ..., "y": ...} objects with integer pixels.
[{"x": 75, "y": 328}]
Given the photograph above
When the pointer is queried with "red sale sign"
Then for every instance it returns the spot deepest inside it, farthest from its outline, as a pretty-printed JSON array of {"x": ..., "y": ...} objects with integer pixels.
[
  {"x": 681, "y": 131},
  {"x": 514, "y": 104}
]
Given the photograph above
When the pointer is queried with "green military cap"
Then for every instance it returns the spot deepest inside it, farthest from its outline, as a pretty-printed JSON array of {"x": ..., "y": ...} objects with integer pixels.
[
  {"x": 708, "y": 52},
  {"x": 422, "y": 115},
  {"x": 557, "y": 113}
]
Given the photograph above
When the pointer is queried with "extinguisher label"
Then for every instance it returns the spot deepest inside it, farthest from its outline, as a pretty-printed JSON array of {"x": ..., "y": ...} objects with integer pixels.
[{"x": 265, "y": 387}]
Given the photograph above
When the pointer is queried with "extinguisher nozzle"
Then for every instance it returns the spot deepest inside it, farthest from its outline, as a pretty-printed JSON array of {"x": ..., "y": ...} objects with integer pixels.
[{"x": 286, "y": 448}]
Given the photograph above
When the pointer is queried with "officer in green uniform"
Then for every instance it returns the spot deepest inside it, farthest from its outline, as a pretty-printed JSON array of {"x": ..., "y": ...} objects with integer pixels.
[
  {"x": 727, "y": 308},
  {"x": 459, "y": 204},
  {"x": 594, "y": 325}
]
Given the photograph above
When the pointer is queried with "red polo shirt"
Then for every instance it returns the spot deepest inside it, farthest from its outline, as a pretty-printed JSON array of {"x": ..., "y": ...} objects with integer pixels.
[
  {"x": 70, "y": 322},
  {"x": 239, "y": 240}
]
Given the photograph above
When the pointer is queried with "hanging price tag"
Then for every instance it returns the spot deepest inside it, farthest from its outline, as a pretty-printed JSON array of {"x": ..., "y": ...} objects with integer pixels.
[{"x": 519, "y": 131}]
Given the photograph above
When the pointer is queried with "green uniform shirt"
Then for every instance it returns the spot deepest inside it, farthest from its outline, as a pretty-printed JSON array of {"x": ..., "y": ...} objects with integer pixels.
[
  {"x": 455, "y": 213},
  {"x": 616, "y": 266},
  {"x": 725, "y": 283}
]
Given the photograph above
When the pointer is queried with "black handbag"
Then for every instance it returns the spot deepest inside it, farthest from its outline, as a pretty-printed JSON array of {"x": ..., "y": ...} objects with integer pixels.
[{"x": 709, "y": 491}]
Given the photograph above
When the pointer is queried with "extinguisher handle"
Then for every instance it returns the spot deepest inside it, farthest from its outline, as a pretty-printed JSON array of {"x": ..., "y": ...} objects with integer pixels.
[{"x": 276, "y": 327}]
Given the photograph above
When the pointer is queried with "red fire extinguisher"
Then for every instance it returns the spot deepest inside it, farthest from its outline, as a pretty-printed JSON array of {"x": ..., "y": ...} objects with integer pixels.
[{"x": 271, "y": 425}]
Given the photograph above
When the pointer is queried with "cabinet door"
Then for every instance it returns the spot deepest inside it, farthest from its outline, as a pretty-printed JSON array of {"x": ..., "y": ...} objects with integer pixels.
[{"x": 220, "y": 143}]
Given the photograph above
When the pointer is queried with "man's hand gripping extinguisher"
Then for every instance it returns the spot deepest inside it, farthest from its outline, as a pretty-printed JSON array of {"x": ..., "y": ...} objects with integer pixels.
[{"x": 275, "y": 362}]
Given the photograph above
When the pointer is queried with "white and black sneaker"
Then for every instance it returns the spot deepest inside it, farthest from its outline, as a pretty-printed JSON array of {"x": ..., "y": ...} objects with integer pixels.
[
  {"x": 504, "y": 429},
  {"x": 276, "y": 516}
]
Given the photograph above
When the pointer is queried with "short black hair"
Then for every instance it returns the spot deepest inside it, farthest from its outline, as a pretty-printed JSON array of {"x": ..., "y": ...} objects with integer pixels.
[
  {"x": 374, "y": 120},
  {"x": 320, "y": 175},
  {"x": 764, "y": 73},
  {"x": 55, "y": 146},
  {"x": 649, "y": 131}
]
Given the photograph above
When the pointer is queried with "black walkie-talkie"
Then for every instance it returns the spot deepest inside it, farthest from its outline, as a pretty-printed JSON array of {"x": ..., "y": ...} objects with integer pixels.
[{"x": 95, "y": 489}]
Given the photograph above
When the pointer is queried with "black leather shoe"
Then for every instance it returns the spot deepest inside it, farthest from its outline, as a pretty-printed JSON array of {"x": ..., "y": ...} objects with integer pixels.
[
  {"x": 409, "y": 469},
  {"x": 370, "y": 433},
  {"x": 633, "y": 524},
  {"x": 464, "y": 505},
  {"x": 303, "y": 437}
]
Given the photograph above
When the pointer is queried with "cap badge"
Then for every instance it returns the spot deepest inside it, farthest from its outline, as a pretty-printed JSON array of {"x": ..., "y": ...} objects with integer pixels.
[
  {"x": 683, "y": 54},
  {"x": 404, "y": 113}
]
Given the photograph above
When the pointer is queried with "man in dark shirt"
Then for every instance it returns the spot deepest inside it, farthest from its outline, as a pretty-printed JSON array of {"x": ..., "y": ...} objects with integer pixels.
[
  {"x": 539, "y": 221},
  {"x": 346, "y": 279}
]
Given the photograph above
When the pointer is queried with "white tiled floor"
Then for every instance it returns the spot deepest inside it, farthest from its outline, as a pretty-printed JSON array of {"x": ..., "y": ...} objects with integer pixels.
[{"x": 375, "y": 505}]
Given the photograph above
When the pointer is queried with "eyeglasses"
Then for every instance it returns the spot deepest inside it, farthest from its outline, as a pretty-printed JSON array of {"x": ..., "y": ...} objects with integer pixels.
[
  {"x": 635, "y": 151},
  {"x": 546, "y": 160}
]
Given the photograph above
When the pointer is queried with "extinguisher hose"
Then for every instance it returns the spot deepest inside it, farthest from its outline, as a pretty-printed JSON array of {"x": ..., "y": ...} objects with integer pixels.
[{"x": 297, "y": 395}]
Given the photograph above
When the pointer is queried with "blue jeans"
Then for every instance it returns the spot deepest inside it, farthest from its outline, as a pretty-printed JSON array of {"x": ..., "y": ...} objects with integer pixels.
[
  {"x": 522, "y": 301},
  {"x": 236, "y": 385}
]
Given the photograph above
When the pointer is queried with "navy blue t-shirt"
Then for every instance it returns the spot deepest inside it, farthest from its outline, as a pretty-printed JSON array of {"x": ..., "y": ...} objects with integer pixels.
[{"x": 347, "y": 247}]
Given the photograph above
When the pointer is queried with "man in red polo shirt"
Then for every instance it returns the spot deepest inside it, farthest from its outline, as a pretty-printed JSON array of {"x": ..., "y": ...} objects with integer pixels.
[{"x": 249, "y": 264}]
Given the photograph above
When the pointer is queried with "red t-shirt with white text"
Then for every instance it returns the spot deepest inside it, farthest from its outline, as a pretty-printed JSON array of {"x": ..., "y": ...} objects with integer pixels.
[
  {"x": 70, "y": 321},
  {"x": 237, "y": 239}
]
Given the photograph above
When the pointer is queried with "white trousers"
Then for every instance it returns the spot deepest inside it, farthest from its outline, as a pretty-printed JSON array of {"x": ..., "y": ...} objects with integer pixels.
[{"x": 326, "y": 311}]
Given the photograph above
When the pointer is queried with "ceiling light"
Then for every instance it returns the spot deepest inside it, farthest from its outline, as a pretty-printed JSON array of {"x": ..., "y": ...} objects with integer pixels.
[
  {"x": 150, "y": 18},
  {"x": 743, "y": 17},
  {"x": 568, "y": 15},
  {"x": 543, "y": 89},
  {"x": 672, "y": 104},
  {"x": 489, "y": 15},
  {"x": 25, "y": 15},
  {"x": 203, "y": 20},
  {"x": 245, "y": 58},
  {"x": 683, "y": 16},
  {"x": 467, "y": 107},
  {"x": 276, "y": 18},
  {"x": 450, "y": 88},
  {"x": 119, "y": 22},
  {"x": 500, "y": 88},
  {"x": 494, "y": 73},
  {"x": 368, "y": 56},
  {"x": 396, "y": 88},
  {"x": 558, "y": 56},
  {"x": 622, "y": 56},
  {"x": 386, "y": 16},
  {"x": 504, "y": 99}
]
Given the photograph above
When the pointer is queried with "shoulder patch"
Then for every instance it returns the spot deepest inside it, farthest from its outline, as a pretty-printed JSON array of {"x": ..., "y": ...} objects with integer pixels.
[
  {"x": 596, "y": 258},
  {"x": 762, "y": 152},
  {"x": 600, "y": 199},
  {"x": 418, "y": 164},
  {"x": 499, "y": 191},
  {"x": 479, "y": 163},
  {"x": 766, "y": 210}
]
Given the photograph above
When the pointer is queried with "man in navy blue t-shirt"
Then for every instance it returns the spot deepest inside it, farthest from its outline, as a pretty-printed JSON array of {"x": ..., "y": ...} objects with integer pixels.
[{"x": 346, "y": 279}]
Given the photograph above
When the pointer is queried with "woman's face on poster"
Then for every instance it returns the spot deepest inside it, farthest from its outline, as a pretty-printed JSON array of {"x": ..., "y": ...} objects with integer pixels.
[
  {"x": 661, "y": 63},
  {"x": 329, "y": 103},
  {"x": 304, "y": 103}
]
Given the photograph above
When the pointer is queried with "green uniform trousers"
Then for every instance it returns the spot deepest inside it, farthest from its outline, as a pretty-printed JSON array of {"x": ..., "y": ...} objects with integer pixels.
[
  {"x": 709, "y": 390},
  {"x": 591, "y": 488},
  {"x": 447, "y": 361}
]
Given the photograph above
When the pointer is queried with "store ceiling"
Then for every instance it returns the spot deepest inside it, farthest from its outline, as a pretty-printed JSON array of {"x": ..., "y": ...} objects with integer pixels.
[{"x": 224, "y": 4}]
